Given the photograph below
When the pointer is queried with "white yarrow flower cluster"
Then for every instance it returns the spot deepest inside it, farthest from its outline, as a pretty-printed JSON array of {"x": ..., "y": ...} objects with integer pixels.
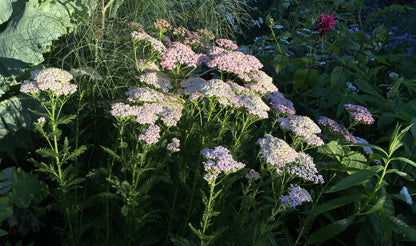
[
  {"x": 144, "y": 94},
  {"x": 255, "y": 105},
  {"x": 157, "y": 79},
  {"x": 258, "y": 81},
  {"x": 49, "y": 79},
  {"x": 174, "y": 145},
  {"x": 303, "y": 127}
]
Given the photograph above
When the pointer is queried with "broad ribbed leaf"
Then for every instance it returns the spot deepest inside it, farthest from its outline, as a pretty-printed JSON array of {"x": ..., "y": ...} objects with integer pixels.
[
  {"x": 16, "y": 122},
  {"x": 356, "y": 179},
  {"x": 6, "y": 10},
  {"x": 27, "y": 188},
  {"x": 330, "y": 231},
  {"x": 6, "y": 209},
  {"x": 30, "y": 31}
]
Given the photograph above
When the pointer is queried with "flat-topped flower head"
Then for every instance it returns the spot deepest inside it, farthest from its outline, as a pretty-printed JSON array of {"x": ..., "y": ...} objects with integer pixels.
[
  {"x": 156, "y": 44},
  {"x": 162, "y": 24},
  {"x": 174, "y": 145},
  {"x": 219, "y": 161},
  {"x": 226, "y": 43},
  {"x": 303, "y": 127},
  {"x": 170, "y": 109},
  {"x": 151, "y": 134},
  {"x": 50, "y": 79},
  {"x": 143, "y": 94},
  {"x": 157, "y": 79},
  {"x": 234, "y": 62},
  {"x": 179, "y": 53},
  {"x": 276, "y": 152},
  {"x": 254, "y": 105},
  {"x": 305, "y": 168},
  {"x": 336, "y": 129},
  {"x": 296, "y": 196},
  {"x": 258, "y": 81},
  {"x": 29, "y": 86},
  {"x": 359, "y": 114},
  {"x": 279, "y": 103},
  {"x": 252, "y": 175}
]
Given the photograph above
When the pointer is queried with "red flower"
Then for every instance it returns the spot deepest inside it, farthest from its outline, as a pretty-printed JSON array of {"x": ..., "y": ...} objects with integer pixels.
[{"x": 326, "y": 23}]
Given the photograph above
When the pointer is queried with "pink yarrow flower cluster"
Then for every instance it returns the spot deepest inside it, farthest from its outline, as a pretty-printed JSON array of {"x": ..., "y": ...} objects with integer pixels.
[
  {"x": 336, "y": 128},
  {"x": 234, "y": 62},
  {"x": 279, "y": 103},
  {"x": 179, "y": 53},
  {"x": 219, "y": 161},
  {"x": 359, "y": 114},
  {"x": 162, "y": 24},
  {"x": 226, "y": 43}
]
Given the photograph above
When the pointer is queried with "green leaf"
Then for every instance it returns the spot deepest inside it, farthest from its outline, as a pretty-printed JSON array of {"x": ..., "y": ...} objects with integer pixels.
[
  {"x": 6, "y": 10},
  {"x": 280, "y": 62},
  {"x": 379, "y": 205},
  {"x": 400, "y": 173},
  {"x": 347, "y": 43},
  {"x": 404, "y": 228},
  {"x": 338, "y": 202},
  {"x": 355, "y": 160},
  {"x": 2, "y": 232},
  {"x": 6, "y": 180},
  {"x": 305, "y": 78},
  {"x": 330, "y": 231},
  {"x": 339, "y": 77},
  {"x": 27, "y": 189},
  {"x": 6, "y": 208},
  {"x": 357, "y": 178},
  {"x": 332, "y": 149},
  {"x": 16, "y": 124}
]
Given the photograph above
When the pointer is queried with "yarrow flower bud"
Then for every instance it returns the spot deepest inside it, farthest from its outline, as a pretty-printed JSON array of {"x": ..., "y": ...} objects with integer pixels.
[
  {"x": 252, "y": 175},
  {"x": 174, "y": 145},
  {"x": 360, "y": 114},
  {"x": 41, "y": 121},
  {"x": 296, "y": 196}
]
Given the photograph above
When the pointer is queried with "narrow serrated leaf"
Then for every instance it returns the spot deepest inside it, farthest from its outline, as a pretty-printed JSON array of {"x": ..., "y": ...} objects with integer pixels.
[
  {"x": 338, "y": 202},
  {"x": 404, "y": 228}
]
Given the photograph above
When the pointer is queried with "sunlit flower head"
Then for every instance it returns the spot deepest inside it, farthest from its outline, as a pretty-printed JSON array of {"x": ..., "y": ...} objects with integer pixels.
[
  {"x": 50, "y": 79},
  {"x": 156, "y": 44},
  {"x": 162, "y": 24},
  {"x": 276, "y": 152},
  {"x": 219, "y": 161},
  {"x": 303, "y": 127},
  {"x": 174, "y": 145},
  {"x": 258, "y": 81},
  {"x": 151, "y": 134}
]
